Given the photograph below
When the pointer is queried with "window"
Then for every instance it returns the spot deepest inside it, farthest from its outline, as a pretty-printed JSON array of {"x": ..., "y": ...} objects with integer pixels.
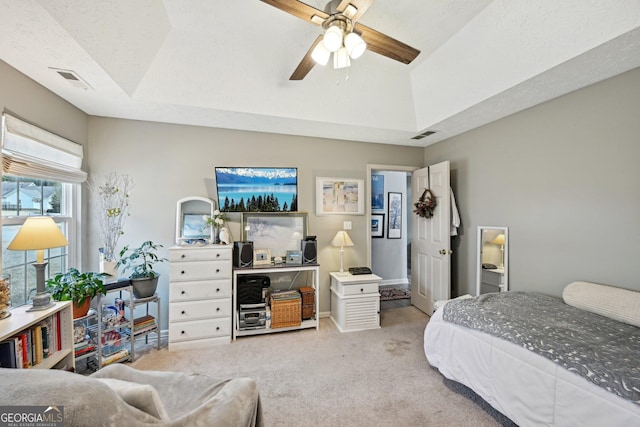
[{"x": 40, "y": 176}]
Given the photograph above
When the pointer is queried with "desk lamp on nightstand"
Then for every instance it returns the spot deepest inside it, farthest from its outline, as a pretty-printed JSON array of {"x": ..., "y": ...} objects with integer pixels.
[
  {"x": 39, "y": 233},
  {"x": 341, "y": 240}
]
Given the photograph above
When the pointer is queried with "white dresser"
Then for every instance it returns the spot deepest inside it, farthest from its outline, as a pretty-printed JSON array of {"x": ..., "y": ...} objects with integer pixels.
[
  {"x": 492, "y": 280},
  {"x": 199, "y": 296},
  {"x": 355, "y": 301}
]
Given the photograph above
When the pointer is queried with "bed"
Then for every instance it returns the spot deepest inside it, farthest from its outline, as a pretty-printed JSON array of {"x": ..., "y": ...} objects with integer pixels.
[{"x": 545, "y": 361}]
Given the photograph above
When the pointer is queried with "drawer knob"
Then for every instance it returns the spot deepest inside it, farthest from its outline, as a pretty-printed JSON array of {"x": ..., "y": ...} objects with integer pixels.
[
  {"x": 217, "y": 328},
  {"x": 217, "y": 289},
  {"x": 183, "y": 292},
  {"x": 217, "y": 270},
  {"x": 182, "y": 332},
  {"x": 183, "y": 256},
  {"x": 183, "y": 312},
  {"x": 361, "y": 290},
  {"x": 217, "y": 308},
  {"x": 217, "y": 255}
]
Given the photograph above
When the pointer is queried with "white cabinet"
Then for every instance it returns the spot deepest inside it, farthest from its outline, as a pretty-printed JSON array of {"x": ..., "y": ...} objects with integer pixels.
[
  {"x": 199, "y": 296},
  {"x": 492, "y": 280},
  {"x": 355, "y": 301}
]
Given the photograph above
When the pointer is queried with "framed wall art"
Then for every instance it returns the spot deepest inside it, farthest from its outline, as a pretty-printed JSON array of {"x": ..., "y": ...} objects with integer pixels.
[
  {"x": 377, "y": 225},
  {"x": 377, "y": 192},
  {"x": 339, "y": 196},
  {"x": 277, "y": 231},
  {"x": 394, "y": 229}
]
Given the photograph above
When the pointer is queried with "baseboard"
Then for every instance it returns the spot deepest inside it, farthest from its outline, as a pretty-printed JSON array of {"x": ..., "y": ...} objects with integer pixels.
[
  {"x": 324, "y": 314},
  {"x": 398, "y": 282}
]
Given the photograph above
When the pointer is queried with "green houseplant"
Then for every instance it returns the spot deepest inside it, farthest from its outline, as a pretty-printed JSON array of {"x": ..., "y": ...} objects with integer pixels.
[
  {"x": 77, "y": 287},
  {"x": 141, "y": 261}
]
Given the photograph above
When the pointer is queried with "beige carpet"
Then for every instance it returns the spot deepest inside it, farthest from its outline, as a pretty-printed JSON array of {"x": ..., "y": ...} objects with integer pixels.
[{"x": 326, "y": 378}]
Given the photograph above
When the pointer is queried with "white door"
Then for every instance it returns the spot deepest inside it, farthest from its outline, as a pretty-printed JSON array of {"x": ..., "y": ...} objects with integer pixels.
[{"x": 430, "y": 240}]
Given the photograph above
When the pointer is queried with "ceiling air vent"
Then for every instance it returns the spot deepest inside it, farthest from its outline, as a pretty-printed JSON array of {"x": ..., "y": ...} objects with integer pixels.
[
  {"x": 424, "y": 134},
  {"x": 72, "y": 77}
]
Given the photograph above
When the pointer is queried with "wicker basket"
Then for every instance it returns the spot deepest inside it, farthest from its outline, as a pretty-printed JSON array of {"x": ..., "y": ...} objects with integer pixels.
[
  {"x": 286, "y": 313},
  {"x": 308, "y": 302}
]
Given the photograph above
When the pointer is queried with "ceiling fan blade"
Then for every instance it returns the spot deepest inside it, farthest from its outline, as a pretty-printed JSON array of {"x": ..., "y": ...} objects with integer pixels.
[
  {"x": 360, "y": 5},
  {"x": 299, "y": 9},
  {"x": 306, "y": 64},
  {"x": 385, "y": 45}
]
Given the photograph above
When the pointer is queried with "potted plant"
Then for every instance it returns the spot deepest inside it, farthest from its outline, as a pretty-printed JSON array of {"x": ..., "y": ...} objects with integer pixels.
[
  {"x": 77, "y": 287},
  {"x": 141, "y": 261},
  {"x": 111, "y": 197}
]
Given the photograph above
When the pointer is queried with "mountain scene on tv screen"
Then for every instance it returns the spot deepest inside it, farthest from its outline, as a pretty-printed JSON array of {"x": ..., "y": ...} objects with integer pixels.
[{"x": 257, "y": 189}]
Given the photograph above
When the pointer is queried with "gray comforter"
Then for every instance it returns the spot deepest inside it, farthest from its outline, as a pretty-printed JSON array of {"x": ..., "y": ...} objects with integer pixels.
[{"x": 602, "y": 350}]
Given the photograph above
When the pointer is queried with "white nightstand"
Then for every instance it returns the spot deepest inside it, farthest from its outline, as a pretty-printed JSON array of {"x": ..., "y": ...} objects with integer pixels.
[
  {"x": 492, "y": 280},
  {"x": 355, "y": 301}
]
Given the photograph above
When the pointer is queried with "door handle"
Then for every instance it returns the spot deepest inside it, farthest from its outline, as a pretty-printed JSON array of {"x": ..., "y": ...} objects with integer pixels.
[{"x": 444, "y": 251}]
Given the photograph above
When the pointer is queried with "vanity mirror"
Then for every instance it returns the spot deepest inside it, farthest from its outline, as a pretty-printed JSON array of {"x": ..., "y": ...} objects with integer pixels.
[
  {"x": 493, "y": 260},
  {"x": 191, "y": 227}
]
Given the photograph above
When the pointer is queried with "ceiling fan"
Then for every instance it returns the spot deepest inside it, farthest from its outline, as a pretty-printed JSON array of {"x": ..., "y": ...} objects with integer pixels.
[{"x": 344, "y": 36}]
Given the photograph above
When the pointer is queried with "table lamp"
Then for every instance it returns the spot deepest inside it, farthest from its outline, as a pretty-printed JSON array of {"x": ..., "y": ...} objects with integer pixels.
[
  {"x": 39, "y": 233},
  {"x": 341, "y": 240},
  {"x": 499, "y": 240}
]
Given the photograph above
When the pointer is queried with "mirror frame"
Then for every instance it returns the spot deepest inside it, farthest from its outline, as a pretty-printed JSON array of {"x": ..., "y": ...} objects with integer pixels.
[
  {"x": 206, "y": 206},
  {"x": 505, "y": 230}
]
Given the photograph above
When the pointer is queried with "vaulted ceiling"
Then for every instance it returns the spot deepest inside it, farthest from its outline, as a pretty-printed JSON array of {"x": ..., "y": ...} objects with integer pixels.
[{"x": 227, "y": 63}]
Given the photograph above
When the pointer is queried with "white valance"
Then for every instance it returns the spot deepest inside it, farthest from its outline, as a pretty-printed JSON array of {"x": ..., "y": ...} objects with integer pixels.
[{"x": 30, "y": 151}]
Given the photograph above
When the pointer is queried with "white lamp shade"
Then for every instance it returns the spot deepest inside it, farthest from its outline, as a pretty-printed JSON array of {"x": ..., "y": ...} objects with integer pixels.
[
  {"x": 355, "y": 45},
  {"x": 499, "y": 240},
  {"x": 333, "y": 38},
  {"x": 38, "y": 232},
  {"x": 341, "y": 58},
  {"x": 342, "y": 239},
  {"x": 320, "y": 54}
]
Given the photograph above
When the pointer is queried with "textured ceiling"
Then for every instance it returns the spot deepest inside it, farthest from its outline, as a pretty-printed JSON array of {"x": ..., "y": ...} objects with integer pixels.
[{"x": 227, "y": 63}]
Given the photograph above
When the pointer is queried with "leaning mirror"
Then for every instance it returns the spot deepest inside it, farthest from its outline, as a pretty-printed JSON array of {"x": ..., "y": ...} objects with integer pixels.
[
  {"x": 190, "y": 223},
  {"x": 493, "y": 260}
]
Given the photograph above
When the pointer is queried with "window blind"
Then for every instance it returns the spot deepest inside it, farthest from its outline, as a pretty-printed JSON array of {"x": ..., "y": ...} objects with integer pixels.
[{"x": 30, "y": 151}]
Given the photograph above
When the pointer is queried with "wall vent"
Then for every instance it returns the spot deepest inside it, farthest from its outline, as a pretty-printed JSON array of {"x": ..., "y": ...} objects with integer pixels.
[
  {"x": 72, "y": 77},
  {"x": 424, "y": 134}
]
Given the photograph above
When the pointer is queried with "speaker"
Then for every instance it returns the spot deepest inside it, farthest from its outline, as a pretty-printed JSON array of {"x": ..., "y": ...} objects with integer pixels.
[
  {"x": 243, "y": 254},
  {"x": 309, "y": 252}
]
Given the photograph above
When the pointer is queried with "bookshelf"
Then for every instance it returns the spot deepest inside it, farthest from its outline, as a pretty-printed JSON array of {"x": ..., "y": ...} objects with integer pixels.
[
  {"x": 290, "y": 275},
  {"x": 21, "y": 320}
]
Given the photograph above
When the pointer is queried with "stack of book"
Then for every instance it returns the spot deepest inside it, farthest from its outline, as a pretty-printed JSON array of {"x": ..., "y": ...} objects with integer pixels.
[
  {"x": 285, "y": 295},
  {"x": 143, "y": 324},
  {"x": 83, "y": 347}
]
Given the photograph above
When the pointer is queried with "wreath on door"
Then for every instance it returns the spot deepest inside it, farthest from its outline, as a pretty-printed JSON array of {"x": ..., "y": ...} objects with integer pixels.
[{"x": 426, "y": 204}]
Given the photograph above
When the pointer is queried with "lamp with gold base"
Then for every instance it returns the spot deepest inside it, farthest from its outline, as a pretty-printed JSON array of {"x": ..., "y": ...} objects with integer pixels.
[{"x": 37, "y": 234}]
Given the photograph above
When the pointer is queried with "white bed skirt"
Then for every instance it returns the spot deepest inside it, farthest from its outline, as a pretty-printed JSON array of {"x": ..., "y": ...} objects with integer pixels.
[{"x": 526, "y": 387}]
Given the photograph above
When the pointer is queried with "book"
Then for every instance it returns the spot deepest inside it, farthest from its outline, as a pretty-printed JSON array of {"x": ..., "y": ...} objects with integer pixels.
[
  {"x": 57, "y": 327},
  {"x": 8, "y": 354},
  {"x": 25, "y": 350},
  {"x": 18, "y": 347},
  {"x": 45, "y": 342},
  {"x": 38, "y": 339}
]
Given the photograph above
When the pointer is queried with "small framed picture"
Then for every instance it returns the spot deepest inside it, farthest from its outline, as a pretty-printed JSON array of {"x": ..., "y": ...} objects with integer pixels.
[
  {"x": 377, "y": 225},
  {"x": 262, "y": 257},
  {"x": 394, "y": 230}
]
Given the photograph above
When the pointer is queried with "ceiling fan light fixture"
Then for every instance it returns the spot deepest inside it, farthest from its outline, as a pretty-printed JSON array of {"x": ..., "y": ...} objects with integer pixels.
[
  {"x": 341, "y": 58},
  {"x": 320, "y": 54},
  {"x": 333, "y": 38},
  {"x": 355, "y": 45}
]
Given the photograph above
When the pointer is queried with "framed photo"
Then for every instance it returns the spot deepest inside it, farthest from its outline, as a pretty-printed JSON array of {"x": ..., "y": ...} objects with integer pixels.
[
  {"x": 277, "y": 231},
  {"x": 194, "y": 226},
  {"x": 394, "y": 229},
  {"x": 262, "y": 257},
  {"x": 377, "y": 225},
  {"x": 339, "y": 196},
  {"x": 377, "y": 192}
]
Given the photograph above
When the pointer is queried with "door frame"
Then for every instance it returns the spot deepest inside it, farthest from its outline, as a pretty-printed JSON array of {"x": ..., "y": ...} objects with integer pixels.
[{"x": 370, "y": 168}]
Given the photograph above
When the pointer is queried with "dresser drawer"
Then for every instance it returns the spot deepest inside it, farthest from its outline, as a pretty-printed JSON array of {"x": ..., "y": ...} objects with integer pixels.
[
  {"x": 198, "y": 270},
  {"x": 198, "y": 329},
  {"x": 492, "y": 277},
  {"x": 199, "y": 254},
  {"x": 201, "y": 289},
  {"x": 358, "y": 289},
  {"x": 194, "y": 310}
]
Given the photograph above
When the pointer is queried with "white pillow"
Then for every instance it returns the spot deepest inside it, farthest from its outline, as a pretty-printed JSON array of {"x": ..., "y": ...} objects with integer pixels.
[
  {"x": 619, "y": 304},
  {"x": 141, "y": 396}
]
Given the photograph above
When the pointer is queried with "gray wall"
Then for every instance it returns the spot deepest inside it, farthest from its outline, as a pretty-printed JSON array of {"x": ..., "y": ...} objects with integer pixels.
[
  {"x": 564, "y": 177},
  {"x": 169, "y": 162}
]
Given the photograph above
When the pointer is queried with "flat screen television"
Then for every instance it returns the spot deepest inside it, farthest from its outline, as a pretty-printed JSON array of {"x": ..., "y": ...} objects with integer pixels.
[{"x": 252, "y": 189}]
